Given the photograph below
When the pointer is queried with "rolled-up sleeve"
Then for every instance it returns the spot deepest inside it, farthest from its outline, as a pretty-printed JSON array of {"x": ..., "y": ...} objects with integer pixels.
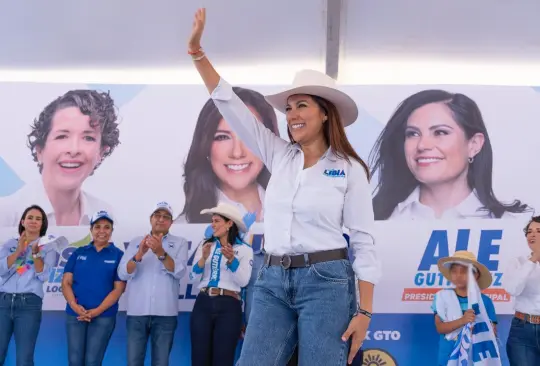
[
  {"x": 516, "y": 275},
  {"x": 129, "y": 253},
  {"x": 49, "y": 261},
  {"x": 4, "y": 254},
  {"x": 359, "y": 219},
  {"x": 260, "y": 140},
  {"x": 180, "y": 260}
]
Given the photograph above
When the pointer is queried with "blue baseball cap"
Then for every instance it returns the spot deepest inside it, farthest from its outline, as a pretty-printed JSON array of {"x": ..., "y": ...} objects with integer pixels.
[{"x": 101, "y": 215}]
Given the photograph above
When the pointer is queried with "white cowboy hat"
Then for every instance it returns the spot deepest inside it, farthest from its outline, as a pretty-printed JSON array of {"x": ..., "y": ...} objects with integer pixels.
[
  {"x": 465, "y": 258},
  {"x": 313, "y": 82},
  {"x": 228, "y": 211}
]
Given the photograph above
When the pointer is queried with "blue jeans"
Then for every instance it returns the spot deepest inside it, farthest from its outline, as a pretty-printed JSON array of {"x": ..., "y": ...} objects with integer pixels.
[
  {"x": 88, "y": 341},
  {"x": 20, "y": 315},
  {"x": 309, "y": 307},
  {"x": 258, "y": 260},
  {"x": 523, "y": 345},
  {"x": 215, "y": 327},
  {"x": 161, "y": 331}
]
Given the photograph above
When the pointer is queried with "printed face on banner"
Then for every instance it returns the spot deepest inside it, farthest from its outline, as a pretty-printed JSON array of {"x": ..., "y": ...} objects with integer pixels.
[
  {"x": 235, "y": 166},
  {"x": 436, "y": 148},
  {"x": 219, "y": 166},
  {"x": 434, "y": 160},
  {"x": 71, "y": 151}
]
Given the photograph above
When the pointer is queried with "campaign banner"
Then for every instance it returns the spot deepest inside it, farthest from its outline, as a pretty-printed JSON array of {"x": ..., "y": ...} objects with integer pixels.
[{"x": 449, "y": 168}]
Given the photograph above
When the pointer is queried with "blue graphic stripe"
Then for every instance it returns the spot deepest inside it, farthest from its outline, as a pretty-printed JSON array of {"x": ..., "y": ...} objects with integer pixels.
[{"x": 10, "y": 182}]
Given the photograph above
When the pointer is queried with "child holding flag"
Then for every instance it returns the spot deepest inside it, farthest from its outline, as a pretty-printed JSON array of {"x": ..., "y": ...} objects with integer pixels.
[{"x": 459, "y": 309}]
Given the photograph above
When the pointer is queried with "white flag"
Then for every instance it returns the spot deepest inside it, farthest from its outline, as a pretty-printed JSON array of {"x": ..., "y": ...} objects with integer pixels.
[{"x": 477, "y": 344}]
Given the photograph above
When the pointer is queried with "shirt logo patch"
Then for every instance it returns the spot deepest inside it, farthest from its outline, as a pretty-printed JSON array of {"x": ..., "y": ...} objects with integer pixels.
[
  {"x": 81, "y": 257},
  {"x": 109, "y": 261},
  {"x": 334, "y": 173}
]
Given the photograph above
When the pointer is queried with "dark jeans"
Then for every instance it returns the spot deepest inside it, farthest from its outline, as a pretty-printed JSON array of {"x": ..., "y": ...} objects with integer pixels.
[
  {"x": 161, "y": 331},
  {"x": 20, "y": 315},
  {"x": 523, "y": 345},
  {"x": 216, "y": 324},
  {"x": 88, "y": 341}
]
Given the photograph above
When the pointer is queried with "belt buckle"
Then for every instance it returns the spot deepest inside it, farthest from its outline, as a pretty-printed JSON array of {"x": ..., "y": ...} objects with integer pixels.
[{"x": 285, "y": 261}]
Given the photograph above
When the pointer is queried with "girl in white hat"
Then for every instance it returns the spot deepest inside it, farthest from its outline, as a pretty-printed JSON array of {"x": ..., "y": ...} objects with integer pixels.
[
  {"x": 223, "y": 265},
  {"x": 305, "y": 291}
]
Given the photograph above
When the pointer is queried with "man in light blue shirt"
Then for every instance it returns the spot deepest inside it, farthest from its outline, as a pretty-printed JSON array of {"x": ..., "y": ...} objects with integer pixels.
[{"x": 153, "y": 266}]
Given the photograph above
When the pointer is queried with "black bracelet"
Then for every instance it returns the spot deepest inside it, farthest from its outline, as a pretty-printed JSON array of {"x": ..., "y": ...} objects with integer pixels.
[{"x": 362, "y": 312}]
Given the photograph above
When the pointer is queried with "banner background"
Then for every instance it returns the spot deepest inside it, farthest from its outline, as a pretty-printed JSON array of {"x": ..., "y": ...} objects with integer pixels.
[{"x": 156, "y": 132}]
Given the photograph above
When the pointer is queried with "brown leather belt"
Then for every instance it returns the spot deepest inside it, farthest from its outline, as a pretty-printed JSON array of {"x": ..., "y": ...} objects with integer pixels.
[
  {"x": 305, "y": 260},
  {"x": 533, "y": 319},
  {"x": 216, "y": 291}
]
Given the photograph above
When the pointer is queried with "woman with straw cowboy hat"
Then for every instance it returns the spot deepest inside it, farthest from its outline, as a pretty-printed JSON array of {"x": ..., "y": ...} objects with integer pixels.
[
  {"x": 305, "y": 291},
  {"x": 223, "y": 265}
]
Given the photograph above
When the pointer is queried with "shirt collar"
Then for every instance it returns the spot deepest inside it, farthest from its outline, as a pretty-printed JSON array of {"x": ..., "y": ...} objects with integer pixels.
[
  {"x": 469, "y": 207},
  {"x": 164, "y": 236},
  {"x": 109, "y": 246},
  {"x": 328, "y": 154}
]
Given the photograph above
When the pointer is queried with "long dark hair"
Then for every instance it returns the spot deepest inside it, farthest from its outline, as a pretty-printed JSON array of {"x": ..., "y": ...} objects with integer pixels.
[
  {"x": 396, "y": 182},
  {"x": 44, "y": 220},
  {"x": 232, "y": 236},
  {"x": 200, "y": 180},
  {"x": 334, "y": 133}
]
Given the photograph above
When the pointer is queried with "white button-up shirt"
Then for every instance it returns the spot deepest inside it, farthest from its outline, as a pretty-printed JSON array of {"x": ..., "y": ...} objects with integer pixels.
[
  {"x": 522, "y": 280},
  {"x": 305, "y": 209},
  {"x": 217, "y": 273},
  {"x": 12, "y": 207},
  {"x": 471, "y": 207},
  {"x": 151, "y": 288}
]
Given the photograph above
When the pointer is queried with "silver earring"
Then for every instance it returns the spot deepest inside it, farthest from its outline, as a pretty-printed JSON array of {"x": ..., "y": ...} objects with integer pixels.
[{"x": 470, "y": 160}]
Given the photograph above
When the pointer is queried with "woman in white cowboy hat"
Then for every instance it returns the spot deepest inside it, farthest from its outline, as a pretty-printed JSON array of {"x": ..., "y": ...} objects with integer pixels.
[
  {"x": 305, "y": 291},
  {"x": 451, "y": 306},
  {"x": 223, "y": 265}
]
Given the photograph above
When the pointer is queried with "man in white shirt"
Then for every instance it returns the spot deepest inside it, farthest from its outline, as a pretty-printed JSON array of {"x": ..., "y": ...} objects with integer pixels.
[
  {"x": 153, "y": 266},
  {"x": 522, "y": 281}
]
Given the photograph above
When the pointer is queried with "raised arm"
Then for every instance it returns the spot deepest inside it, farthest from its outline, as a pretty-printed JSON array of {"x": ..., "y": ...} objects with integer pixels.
[
  {"x": 260, "y": 140},
  {"x": 516, "y": 276}
]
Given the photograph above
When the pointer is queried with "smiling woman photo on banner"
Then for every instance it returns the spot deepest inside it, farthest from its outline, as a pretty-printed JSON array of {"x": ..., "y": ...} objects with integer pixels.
[
  {"x": 434, "y": 160},
  {"x": 219, "y": 167},
  {"x": 68, "y": 141}
]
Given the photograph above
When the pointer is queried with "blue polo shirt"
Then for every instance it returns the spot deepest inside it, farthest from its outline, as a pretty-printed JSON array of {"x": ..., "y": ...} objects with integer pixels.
[{"x": 94, "y": 275}]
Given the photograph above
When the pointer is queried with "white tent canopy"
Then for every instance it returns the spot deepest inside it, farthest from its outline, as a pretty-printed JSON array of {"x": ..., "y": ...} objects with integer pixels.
[{"x": 360, "y": 41}]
